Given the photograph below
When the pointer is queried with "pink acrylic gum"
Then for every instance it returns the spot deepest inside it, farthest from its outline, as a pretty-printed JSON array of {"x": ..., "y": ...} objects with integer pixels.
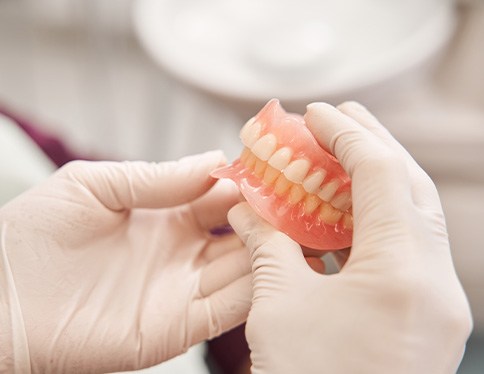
[{"x": 290, "y": 181}]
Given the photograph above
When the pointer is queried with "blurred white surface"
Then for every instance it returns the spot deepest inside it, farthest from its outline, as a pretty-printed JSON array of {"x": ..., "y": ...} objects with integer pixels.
[
  {"x": 257, "y": 49},
  {"x": 22, "y": 163}
]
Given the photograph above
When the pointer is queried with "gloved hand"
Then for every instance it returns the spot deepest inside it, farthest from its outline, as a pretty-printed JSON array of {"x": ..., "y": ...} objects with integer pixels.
[
  {"x": 396, "y": 306},
  {"x": 111, "y": 266}
]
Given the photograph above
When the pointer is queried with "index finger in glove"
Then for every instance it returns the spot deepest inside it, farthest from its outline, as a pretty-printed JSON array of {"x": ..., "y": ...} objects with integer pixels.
[
  {"x": 138, "y": 184},
  {"x": 211, "y": 209},
  {"x": 379, "y": 174}
]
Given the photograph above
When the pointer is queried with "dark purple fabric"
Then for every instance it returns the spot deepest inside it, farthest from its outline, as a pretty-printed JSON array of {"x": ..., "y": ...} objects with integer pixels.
[{"x": 52, "y": 146}]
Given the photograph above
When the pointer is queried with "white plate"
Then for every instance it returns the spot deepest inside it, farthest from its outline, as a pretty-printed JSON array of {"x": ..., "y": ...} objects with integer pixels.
[{"x": 293, "y": 50}]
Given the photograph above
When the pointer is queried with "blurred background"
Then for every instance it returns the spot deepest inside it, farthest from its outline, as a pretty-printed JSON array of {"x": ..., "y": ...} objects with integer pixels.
[{"x": 157, "y": 79}]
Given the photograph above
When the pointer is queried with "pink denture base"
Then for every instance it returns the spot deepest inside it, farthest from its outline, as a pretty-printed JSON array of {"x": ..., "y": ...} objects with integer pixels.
[{"x": 307, "y": 229}]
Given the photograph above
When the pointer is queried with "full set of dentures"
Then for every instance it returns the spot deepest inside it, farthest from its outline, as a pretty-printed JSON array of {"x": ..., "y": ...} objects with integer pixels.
[
  {"x": 291, "y": 181},
  {"x": 291, "y": 178}
]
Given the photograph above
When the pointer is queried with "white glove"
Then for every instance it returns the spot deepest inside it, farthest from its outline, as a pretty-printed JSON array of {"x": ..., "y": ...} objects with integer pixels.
[
  {"x": 111, "y": 266},
  {"x": 396, "y": 306}
]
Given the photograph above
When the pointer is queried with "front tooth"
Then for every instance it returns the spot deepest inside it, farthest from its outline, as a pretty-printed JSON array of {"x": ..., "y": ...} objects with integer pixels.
[
  {"x": 281, "y": 158},
  {"x": 297, "y": 170},
  {"x": 250, "y": 132},
  {"x": 329, "y": 215},
  {"x": 312, "y": 182},
  {"x": 265, "y": 147},
  {"x": 329, "y": 189},
  {"x": 342, "y": 201}
]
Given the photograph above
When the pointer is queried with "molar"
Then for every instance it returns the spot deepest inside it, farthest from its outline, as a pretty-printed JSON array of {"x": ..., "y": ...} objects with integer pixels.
[
  {"x": 313, "y": 181},
  {"x": 265, "y": 147},
  {"x": 342, "y": 201},
  {"x": 250, "y": 132},
  {"x": 297, "y": 170},
  {"x": 328, "y": 190},
  {"x": 281, "y": 158}
]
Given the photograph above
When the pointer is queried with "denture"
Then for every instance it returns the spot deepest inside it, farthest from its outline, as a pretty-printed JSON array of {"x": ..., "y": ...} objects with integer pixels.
[{"x": 292, "y": 182}]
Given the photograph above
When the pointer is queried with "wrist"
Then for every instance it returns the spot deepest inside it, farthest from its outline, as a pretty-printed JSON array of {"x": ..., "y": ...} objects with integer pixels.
[{"x": 14, "y": 349}]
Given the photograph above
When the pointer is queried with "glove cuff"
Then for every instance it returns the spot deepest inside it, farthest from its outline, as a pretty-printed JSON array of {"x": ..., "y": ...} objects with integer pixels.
[{"x": 14, "y": 349}]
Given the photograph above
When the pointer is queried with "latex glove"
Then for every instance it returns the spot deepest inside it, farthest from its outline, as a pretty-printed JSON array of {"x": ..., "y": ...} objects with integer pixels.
[
  {"x": 396, "y": 306},
  {"x": 110, "y": 266}
]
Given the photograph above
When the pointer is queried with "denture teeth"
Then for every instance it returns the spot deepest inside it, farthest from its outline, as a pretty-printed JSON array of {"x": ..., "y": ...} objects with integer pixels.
[
  {"x": 296, "y": 194},
  {"x": 311, "y": 202},
  {"x": 348, "y": 221},
  {"x": 250, "y": 132},
  {"x": 282, "y": 185},
  {"x": 260, "y": 167},
  {"x": 265, "y": 147},
  {"x": 270, "y": 175},
  {"x": 313, "y": 181},
  {"x": 342, "y": 201},
  {"x": 244, "y": 155},
  {"x": 328, "y": 214},
  {"x": 250, "y": 161},
  {"x": 328, "y": 190},
  {"x": 297, "y": 170},
  {"x": 281, "y": 158}
]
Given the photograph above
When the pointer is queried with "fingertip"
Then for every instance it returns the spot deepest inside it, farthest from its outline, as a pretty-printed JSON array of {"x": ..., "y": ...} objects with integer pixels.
[
  {"x": 318, "y": 106},
  {"x": 352, "y": 106},
  {"x": 217, "y": 157},
  {"x": 316, "y": 119},
  {"x": 243, "y": 219}
]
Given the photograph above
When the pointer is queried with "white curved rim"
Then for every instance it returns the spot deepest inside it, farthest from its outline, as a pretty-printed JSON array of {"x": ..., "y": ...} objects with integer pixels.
[{"x": 428, "y": 40}]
